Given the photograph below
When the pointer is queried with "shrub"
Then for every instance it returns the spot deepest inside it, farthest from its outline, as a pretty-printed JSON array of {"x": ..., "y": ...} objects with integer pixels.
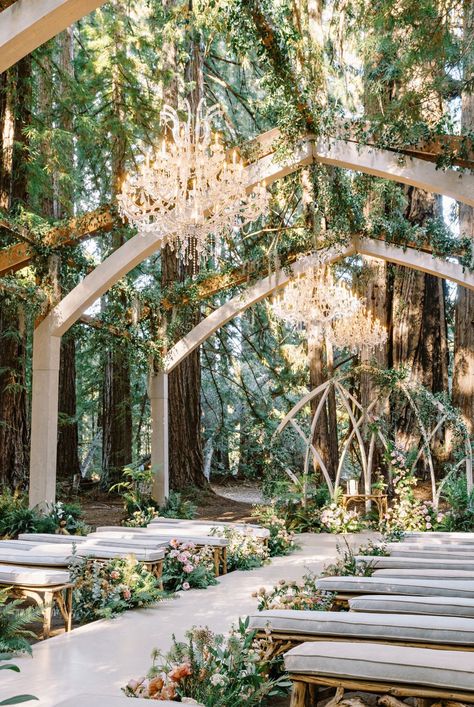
[
  {"x": 244, "y": 551},
  {"x": 280, "y": 542},
  {"x": 214, "y": 670},
  {"x": 295, "y": 595},
  {"x": 16, "y": 517},
  {"x": 105, "y": 589},
  {"x": 460, "y": 514},
  {"x": 301, "y": 512},
  {"x": 188, "y": 567}
]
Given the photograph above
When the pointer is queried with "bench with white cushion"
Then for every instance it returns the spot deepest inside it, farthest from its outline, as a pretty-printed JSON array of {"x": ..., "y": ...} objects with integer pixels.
[
  {"x": 449, "y": 551},
  {"x": 207, "y": 526},
  {"x": 347, "y": 587},
  {"x": 457, "y": 575},
  {"x": 57, "y": 538},
  {"x": 399, "y": 604},
  {"x": 456, "y": 537},
  {"x": 408, "y": 562},
  {"x": 45, "y": 586},
  {"x": 380, "y": 669},
  {"x": 286, "y": 628},
  {"x": 217, "y": 545}
]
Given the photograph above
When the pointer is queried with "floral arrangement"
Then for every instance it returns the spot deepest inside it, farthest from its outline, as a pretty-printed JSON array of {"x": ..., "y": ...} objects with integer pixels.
[
  {"x": 281, "y": 541},
  {"x": 244, "y": 551},
  {"x": 188, "y": 567},
  {"x": 210, "y": 669},
  {"x": 336, "y": 519},
  {"x": 295, "y": 595},
  {"x": 105, "y": 589},
  {"x": 141, "y": 517},
  {"x": 407, "y": 512},
  {"x": 346, "y": 564}
]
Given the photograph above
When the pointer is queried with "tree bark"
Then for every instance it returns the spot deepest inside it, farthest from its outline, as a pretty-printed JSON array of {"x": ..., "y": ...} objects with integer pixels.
[{"x": 463, "y": 372}]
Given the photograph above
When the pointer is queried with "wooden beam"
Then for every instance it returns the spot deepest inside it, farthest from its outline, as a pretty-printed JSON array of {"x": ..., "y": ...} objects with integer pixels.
[
  {"x": 26, "y": 24},
  {"x": 74, "y": 231}
]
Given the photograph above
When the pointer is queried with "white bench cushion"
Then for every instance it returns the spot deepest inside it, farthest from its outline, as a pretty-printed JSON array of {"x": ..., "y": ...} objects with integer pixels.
[
  {"x": 394, "y": 664},
  {"x": 379, "y": 585},
  {"x": 103, "y": 552},
  {"x": 450, "y": 551},
  {"x": 439, "y": 537},
  {"x": 436, "y": 606},
  {"x": 11, "y": 575},
  {"x": 443, "y": 630},
  {"x": 41, "y": 555},
  {"x": 456, "y": 575},
  {"x": 51, "y": 538},
  {"x": 207, "y": 526},
  {"x": 109, "y": 538},
  {"x": 407, "y": 562},
  {"x": 166, "y": 534}
]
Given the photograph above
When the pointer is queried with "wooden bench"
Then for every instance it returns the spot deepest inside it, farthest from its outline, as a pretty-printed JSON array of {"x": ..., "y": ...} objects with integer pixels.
[
  {"x": 45, "y": 586},
  {"x": 424, "y": 673},
  {"x": 431, "y": 606},
  {"x": 283, "y": 629}
]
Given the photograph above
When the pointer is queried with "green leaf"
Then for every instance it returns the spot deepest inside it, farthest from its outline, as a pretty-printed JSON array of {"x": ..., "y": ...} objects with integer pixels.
[{"x": 18, "y": 699}]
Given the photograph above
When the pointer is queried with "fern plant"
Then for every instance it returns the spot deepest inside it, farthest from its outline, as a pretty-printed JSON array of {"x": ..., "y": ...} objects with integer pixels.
[{"x": 13, "y": 622}]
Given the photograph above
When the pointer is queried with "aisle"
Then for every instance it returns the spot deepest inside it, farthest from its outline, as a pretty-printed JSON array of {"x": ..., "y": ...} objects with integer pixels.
[{"x": 102, "y": 656}]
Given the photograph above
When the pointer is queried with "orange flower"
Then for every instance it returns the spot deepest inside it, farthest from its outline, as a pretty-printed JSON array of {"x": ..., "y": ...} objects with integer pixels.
[{"x": 155, "y": 686}]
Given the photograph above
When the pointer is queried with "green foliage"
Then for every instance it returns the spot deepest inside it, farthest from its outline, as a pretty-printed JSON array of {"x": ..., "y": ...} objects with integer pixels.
[
  {"x": 211, "y": 669},
  {"x": 16, "y": 517},
  {"x": 17, "y": 699},
  {"x": 105, "y": 589},
  {"x": 14, "y": 618},
  {"x": 177, "y": 506},
  {"x": 460, "y": 512},
  {"x": 300, "y": 511},
  {"x": 244, "y": 551},
  {"x": 346, "y": 564},
  {"x": 280, "y": 542},
  {"x": 303, "y": 595},
  {"x": 188, "y": 567}
]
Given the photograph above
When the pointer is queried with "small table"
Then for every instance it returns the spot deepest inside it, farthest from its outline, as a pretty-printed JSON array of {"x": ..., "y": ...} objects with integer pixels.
[{"x": 380, "y": 500}]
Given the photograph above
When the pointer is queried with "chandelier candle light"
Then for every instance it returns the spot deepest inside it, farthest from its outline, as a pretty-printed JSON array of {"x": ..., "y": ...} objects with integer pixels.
[
  {"x": 190, "y": 188},
  {"x": 330, "y": 310}
]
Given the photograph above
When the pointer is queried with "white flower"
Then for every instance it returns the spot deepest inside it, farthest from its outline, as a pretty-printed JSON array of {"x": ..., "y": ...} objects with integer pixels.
[{"x": 218, "y": 679}]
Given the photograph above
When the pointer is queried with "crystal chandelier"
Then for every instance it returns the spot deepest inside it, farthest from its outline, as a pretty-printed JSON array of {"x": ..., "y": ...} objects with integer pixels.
[
  {"x": 316, "y": 300},
  {"x": 189, "y": 189},
  {"x": 329, "y": 309},
  {"x": 360, "y": 333}
]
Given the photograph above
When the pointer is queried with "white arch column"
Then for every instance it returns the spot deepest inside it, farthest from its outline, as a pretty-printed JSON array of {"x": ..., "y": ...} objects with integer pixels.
[{"x": 158, "y": 394}]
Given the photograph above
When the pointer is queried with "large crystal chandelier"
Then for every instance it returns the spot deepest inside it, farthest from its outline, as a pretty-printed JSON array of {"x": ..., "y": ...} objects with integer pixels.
[
  {"x": 316, "y": 300},
  {"x": 191, "y": 188},
  {"x": 329, "y": 309}
]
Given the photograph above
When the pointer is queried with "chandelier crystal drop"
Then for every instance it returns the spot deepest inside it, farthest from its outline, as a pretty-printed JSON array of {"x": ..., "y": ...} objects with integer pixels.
[
  {"x": 360, "y": 333},
  {"x": 190, "y": 189},
  {"x": 329, "y": 309},
  {"x": 316, "y": 300}
]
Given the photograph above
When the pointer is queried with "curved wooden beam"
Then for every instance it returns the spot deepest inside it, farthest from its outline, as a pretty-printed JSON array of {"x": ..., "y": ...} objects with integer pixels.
[{"x": 27, "y": 24}]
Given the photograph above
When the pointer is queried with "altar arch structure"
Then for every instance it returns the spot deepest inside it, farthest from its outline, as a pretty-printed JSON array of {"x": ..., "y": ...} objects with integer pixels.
[{"x": 24, "y": 26}]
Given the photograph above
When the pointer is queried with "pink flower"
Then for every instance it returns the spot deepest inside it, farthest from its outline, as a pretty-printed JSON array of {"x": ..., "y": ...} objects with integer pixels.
[
  {"x": 174, "y": 543},
  {"x": 186, "y": 586},
  {"x": 188, "y": 568},
  {"x": 126, "y": 593},
  {"x": 183, "y": 556},
  {"x": 115, "y": 574}
]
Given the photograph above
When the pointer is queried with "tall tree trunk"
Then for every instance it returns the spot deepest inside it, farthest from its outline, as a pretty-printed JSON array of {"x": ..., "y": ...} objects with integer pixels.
[
  {"x": 184, "y": 385},
  {"x": 116, "y": 398},
  {"x": 14, "y": 432},
  {"x": 463, "y": 373}
]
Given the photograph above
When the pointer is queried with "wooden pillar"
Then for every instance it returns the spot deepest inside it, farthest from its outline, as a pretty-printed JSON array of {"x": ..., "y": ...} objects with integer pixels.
[
  {"x": 158, "y": 392},
  {"x": 44, "y": 416}
]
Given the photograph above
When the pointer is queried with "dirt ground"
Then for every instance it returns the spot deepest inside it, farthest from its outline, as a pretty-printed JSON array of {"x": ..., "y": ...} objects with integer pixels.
[{"x": 101, "y": 508}]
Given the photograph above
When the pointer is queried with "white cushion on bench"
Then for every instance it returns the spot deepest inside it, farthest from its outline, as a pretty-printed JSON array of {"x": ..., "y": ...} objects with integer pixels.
[
  {"x": 108, "y": 538},
  {"x": 104, "y": 552},
  {"x": 51, "y": 538},
  {"x": 47, "y": 555},
  {"x": 166, "y": 534},
  {"x": 436, "y": 606},
  {"x": 379, "y": 585},
  {"x": 205, "y": 525},
  {"x": 407, "y": 562},
  {"x": 456, "y": 575},
  {"x": 393, "y": 627},
  {"x": 450, "y": 551},
  {"x": 393, "y": 664},
  {"x": 11, "y": 575},
  {"x": 439, "y": 537}
]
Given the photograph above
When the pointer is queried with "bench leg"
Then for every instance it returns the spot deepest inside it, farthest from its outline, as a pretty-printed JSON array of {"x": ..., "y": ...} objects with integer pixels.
[
  {"x": 224, "y": 560},
  {"x": 47, "y": 613},
  {"x": 298, "y": 694},
  {"x": 68, "y": 623},
  {"x": 217, "y": 561}
]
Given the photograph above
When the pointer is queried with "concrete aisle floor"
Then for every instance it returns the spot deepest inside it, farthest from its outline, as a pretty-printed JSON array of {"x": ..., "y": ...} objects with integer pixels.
[{"x": 101, "y": 657}]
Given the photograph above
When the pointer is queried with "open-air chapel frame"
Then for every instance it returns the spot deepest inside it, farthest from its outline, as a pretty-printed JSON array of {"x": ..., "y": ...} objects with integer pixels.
[{"x": 28, "y": 23}]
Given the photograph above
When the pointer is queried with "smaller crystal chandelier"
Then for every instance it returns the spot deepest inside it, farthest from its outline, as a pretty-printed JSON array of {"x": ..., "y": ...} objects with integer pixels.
[
  {"x": 189, "y": 189},
  {"x": 316, "y": 300},
  {"x": 360, "y": 333},
  {"x": 329, "y": 309}
]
